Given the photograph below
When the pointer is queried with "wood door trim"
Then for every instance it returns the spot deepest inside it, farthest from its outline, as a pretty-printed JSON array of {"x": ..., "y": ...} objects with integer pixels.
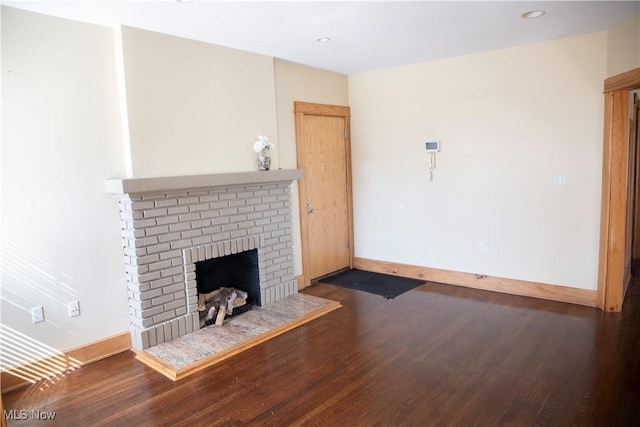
[
  {"x": 615, "y": 164},
  {"x": 306, "y": 108},
  {"x": 321, "y": 109},
  {"x": 636, "y": 231},
  {"x": 629, "y": 80}
]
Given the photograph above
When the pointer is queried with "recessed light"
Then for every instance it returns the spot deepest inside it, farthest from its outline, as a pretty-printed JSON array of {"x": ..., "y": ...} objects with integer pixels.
[
  {"x": 533, "y": 14},
  {"x": 184, "y": 1},
  {"x": 323, "y": 40}
]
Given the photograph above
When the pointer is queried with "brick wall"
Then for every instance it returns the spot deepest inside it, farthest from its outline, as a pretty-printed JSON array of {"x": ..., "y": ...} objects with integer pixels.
[{"x": 165, "y": 233}]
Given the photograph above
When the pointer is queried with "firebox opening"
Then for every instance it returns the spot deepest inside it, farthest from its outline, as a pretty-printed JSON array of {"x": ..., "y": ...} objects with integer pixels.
[{"x": 238, "y": 271}]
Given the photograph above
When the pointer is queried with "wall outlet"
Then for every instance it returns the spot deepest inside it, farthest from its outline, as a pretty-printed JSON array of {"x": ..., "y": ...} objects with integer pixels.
[
  {"x": 481, "y": 247},
  {"x": 37, "y": 314},
  {"x": 560, "y": 180},
  {"x": 74, "y": 308}
]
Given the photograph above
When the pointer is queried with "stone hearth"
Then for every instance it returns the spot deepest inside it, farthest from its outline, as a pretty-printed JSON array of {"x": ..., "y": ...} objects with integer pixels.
[{"x": 169, "y": 224}]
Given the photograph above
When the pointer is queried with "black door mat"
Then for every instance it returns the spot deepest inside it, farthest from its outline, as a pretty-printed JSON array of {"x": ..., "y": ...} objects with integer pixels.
[{"x": 375, "y": 283}]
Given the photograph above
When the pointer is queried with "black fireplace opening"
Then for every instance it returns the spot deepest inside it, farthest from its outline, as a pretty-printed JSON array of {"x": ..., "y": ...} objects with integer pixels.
[{"x": 238, "y": 271}]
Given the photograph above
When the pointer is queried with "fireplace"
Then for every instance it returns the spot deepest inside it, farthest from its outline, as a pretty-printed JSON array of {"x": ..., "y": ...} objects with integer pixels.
[
  {"x": 239, "y": 271},
  {"x": 171, "y": 225}
]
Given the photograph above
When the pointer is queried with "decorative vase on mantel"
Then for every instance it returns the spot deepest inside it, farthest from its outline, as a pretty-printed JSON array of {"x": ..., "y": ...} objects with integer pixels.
[
  {"x": 264, "y": 161},
  {"x": 262, "y": 147}
]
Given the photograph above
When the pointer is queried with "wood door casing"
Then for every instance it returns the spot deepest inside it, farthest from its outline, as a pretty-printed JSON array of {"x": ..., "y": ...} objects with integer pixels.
[
  {"x": 636, "y": 198},
  {"x": 631, "y": 192},
  {"x": 323, "y": 149},
  {"x": 615, "y": 189}
]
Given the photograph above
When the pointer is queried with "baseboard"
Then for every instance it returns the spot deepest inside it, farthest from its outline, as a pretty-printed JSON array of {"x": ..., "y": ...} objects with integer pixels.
[
  {"x": 480, "y": 281},
  {"x": 301, "y": 283},
  {"x": 64, "y": 362}
]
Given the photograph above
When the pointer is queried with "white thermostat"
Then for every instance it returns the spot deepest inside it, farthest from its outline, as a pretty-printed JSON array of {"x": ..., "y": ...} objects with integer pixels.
[{"x": 432, "y": 146}]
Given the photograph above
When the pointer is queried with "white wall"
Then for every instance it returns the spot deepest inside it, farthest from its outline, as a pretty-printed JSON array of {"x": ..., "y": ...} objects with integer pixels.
[
  {"x": 623, "y": 47},
  {"x": 192, "y": 108},
  {"x": 299, "y": 83},
  {"x": 508, "y": 120},
  {"x": 60, "y": 139},
  {"x": 195, "y": 108}
]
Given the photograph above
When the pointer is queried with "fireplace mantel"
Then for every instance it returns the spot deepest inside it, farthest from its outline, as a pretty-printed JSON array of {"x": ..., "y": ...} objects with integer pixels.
[{"x": 173, "y": 183}]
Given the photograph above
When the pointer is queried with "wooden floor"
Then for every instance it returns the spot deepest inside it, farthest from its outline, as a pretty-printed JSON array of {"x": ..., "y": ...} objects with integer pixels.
[{"x": 436, "y": 356}]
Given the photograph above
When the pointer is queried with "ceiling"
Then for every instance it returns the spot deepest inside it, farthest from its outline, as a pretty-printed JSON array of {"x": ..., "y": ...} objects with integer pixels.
[{"x": 365, "y": 35}]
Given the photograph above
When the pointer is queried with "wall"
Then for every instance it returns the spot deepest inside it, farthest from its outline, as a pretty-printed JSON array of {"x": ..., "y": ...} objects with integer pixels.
[
  {"x": 299, "y": 83},
  {"x": 623, "y": 47},
  {"x": 231, "y": 96},
  {"x": 509, "y": 121},
  {"x": 60, "y": 138},
  {"x": 195, "y": 108},
  {"x": 192, "y": 108}
]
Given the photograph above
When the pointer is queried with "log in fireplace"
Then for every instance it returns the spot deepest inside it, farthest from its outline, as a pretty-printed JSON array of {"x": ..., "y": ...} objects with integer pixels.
[
  {"x": 227, "y": 285},
  {"x": 238, "y": 271}
]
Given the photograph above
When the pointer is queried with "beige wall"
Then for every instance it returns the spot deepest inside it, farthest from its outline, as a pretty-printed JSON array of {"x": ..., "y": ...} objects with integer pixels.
[
  {"x": 195, "y": 108},
  {"x": 192, "y": 108},
  {"x": 623, "y": 47},
  {"x": 299, "y": 83},
  {"x": 60, "y": 139},
  {"x": 509, "y": 121}
]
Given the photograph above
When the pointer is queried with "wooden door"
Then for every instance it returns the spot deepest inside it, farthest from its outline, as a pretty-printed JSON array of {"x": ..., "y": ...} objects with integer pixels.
[{"x": 322, "y": 140}]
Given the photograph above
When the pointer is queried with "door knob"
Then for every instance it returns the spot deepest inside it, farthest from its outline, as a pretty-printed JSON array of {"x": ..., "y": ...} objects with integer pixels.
[{"x": 310, "y": 210}]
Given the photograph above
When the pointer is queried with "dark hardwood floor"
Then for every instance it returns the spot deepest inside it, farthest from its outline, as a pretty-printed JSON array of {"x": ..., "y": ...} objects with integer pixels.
[{"x": 436, "y": 356}]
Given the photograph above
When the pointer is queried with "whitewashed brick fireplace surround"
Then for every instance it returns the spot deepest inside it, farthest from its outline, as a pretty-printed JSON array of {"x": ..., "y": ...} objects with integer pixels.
[{"x": 170, "y": 223}]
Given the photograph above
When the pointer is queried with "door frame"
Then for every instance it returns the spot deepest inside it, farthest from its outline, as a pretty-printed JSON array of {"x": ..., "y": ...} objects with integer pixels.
[
  {"x": 306, "y": 108},
  {"x": 613, "y": 280},
  {"x": 635, "y": 252}
]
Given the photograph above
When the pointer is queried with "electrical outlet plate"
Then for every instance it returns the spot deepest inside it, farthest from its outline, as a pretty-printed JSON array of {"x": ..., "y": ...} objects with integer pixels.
[
  {"x": 481, "y": 247},
  {"x": 560, "y": 180},
  {"x": 37, "y": 314},
  {"x": 74, "y": 308}
]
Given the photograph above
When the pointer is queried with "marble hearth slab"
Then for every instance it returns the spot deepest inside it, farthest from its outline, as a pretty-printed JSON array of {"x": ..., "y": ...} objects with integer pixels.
[{"x": 190, "y": 353}]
